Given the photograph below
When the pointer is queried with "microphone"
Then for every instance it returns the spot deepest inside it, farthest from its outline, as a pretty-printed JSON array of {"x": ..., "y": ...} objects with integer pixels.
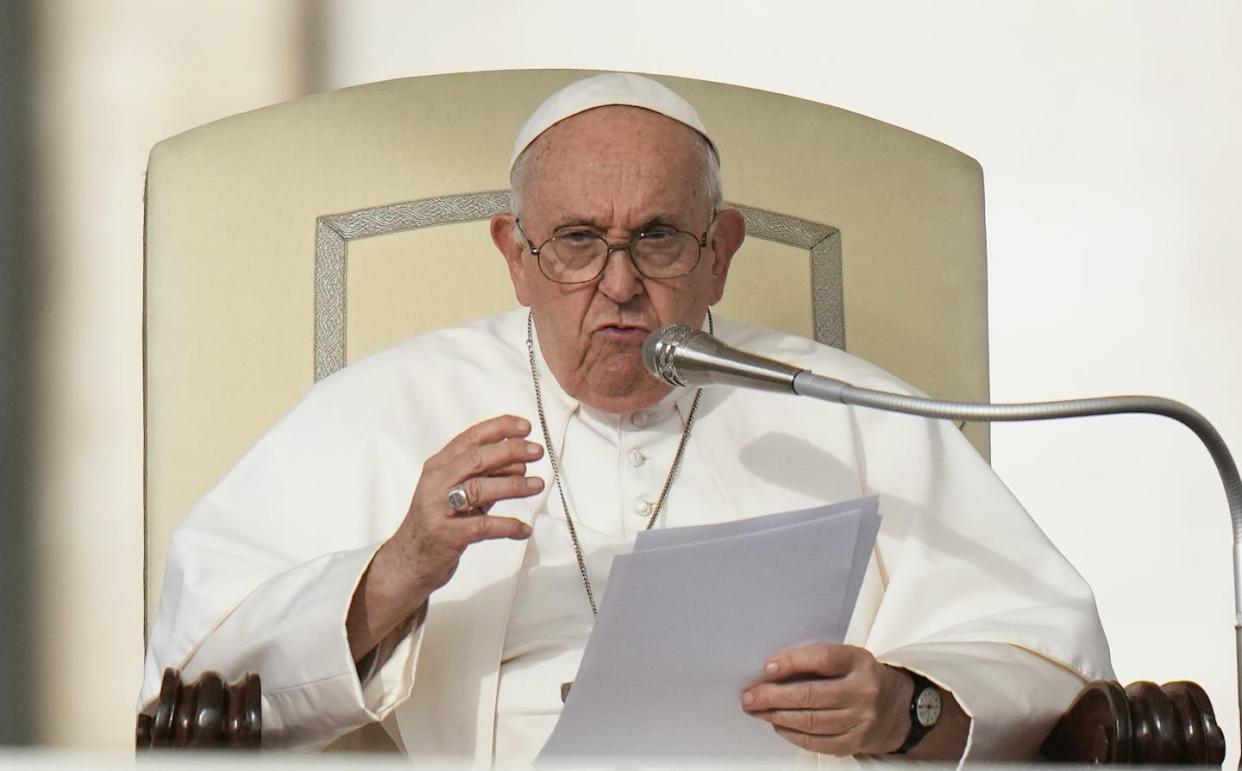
[{"x": 681, "y": 356}]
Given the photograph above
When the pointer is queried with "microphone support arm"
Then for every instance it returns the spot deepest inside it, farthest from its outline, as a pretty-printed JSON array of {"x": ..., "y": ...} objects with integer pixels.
[{"x": 807, "y": 383}]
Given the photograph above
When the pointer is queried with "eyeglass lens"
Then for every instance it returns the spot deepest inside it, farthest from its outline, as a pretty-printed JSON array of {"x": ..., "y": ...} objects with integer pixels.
[{"x": 574, "y": 257}]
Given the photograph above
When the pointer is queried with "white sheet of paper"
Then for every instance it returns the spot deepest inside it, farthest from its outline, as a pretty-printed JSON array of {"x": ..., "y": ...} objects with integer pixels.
[
  {"x": 869, "y": 528},
  {"x": 679, "y": 536},
  {"x": 686, "y": 623}
]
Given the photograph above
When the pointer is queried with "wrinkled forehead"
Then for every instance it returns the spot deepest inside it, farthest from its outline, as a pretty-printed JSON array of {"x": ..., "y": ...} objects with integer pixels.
[
  {"x": 615, "y": 153},
  {"x": 613, "y": 161}
]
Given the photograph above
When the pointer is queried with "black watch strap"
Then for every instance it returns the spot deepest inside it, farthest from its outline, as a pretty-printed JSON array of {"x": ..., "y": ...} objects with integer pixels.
[{"x": 917, "y": 728}]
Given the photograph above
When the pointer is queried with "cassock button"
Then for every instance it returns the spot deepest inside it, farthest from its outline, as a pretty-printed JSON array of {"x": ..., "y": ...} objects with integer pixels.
[
  {"x": 640, "y": 419},
  {"x": 643, "y": 508},
  {"x": 637, "y": 458}
]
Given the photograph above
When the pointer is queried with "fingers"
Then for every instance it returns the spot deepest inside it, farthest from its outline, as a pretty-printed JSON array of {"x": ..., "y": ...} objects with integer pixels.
[
  {"x": 489, "y": 431},
  {"x": 488, "y": 460},
  {"x": 482, "y": 492},
  {"x": 797, "y": 695},
  {"x": 815, "y": 677},
  {"x": 487, "y": 528},
  {"x": 483, "y": 460},
  {"x": 813, "y": 721},
  {"x": 832, "y": 699},
  {"x": 493, "y": 448},
  {"x": 841, "y": 744},
  {"x": 818, "y": 715},
  {"x": 512, "y": 470},
  {"x": 834, "y": 730},
  {"x": 820, "y": 660},
  {"x": 809, "y": 677}
]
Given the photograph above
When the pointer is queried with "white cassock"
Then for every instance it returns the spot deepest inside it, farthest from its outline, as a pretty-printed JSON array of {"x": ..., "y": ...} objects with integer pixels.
[{"x": 962, "y": 587}]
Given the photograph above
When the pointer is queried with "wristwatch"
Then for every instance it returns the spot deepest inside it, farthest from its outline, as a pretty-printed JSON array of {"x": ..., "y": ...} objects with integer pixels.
[{"x": 924, "y": 711}]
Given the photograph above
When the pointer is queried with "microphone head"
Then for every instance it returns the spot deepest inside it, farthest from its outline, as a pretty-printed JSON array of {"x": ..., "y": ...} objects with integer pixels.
[
  {"x": 683, "y": 356},
  {"x": 659, "y": 348}
]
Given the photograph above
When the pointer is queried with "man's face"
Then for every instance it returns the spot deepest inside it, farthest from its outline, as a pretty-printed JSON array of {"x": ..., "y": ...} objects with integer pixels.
[{"x": 615, "y": 171}]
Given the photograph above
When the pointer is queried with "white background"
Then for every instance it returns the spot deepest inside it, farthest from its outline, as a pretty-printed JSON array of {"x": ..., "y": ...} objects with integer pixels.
[{"x": 1107, "y": 132}]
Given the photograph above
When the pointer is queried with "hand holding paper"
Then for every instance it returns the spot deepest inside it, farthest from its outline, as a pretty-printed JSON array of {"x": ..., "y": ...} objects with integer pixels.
[
  {"x": 834, "y": 699},
  {"x": 689, "y": 619}
]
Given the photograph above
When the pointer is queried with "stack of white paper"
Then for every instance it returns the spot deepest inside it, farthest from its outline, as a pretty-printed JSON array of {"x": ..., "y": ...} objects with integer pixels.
[{"x": 687, "y": 622}]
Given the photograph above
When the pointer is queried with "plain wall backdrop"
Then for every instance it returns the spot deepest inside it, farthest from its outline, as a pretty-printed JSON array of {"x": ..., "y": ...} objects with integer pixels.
[
  {"x": 1107, "y": 133},
  {"x": 111, "y": 78}
]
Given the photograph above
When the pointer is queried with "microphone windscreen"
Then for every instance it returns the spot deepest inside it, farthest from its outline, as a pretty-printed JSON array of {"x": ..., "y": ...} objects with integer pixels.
[{"x": 659, "y": 348}]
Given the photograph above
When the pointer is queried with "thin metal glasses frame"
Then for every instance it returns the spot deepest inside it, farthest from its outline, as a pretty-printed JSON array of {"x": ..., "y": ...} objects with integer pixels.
[{"x": 609, "y": 248}]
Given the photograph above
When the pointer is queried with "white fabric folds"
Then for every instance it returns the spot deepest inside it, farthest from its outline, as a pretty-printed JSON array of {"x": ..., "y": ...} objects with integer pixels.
[{"x": 962, "y": 585}]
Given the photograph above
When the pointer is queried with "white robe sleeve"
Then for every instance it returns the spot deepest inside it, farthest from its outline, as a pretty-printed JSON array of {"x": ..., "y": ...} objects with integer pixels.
[
  {"x": 976, "y": 597},
  {"x": 261, "y": 574},
  {"x": 1013, "y": 696}
]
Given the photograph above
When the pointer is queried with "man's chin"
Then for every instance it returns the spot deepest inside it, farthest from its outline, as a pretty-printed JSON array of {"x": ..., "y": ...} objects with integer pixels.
[
  {"x": 614, "y": 380},
  {"x": 624, "y": 391}
]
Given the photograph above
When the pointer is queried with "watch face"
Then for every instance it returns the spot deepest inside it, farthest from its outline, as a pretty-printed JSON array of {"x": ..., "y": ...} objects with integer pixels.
[{"x": 927, "y": 707}]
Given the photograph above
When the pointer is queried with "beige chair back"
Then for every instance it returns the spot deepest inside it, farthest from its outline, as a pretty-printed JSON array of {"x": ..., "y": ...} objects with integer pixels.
[{"x": 282, "y": 244}]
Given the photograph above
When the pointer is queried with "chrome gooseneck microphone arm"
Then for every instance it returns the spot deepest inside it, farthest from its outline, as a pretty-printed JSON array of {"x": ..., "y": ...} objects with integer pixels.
[
  {"x": 682, "y": 356},
  {"x": 819, "y": 387}
]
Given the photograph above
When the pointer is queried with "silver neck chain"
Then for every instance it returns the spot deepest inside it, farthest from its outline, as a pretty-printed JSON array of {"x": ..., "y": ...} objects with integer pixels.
[{"x": 556, "y": 466}]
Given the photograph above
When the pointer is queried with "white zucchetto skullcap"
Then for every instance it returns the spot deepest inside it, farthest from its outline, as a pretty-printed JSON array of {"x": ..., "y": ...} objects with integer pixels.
[{"x": 600, "y": 91}]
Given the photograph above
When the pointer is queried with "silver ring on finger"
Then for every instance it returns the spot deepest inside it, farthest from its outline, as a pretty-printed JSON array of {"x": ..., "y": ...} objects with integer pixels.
[{"x": 458, "y": 499}]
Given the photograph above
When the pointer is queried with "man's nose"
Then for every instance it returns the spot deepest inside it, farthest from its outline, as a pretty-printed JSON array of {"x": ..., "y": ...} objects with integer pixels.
[{"x": 621, "y": 281}]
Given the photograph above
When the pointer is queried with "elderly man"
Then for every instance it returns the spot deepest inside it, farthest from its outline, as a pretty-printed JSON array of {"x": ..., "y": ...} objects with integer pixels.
[{"x": 537, "y": 446}]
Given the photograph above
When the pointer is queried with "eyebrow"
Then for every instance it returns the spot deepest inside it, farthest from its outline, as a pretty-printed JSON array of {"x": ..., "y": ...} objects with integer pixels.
[
  {"x": 578, "y": 222},
  {"x": 590, "y": 222}
]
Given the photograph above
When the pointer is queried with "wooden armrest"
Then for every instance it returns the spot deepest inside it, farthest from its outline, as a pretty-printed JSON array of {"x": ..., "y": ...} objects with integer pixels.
[
  {"x": 1141, "y": 723},
  {"x": 207, "y": 714}
]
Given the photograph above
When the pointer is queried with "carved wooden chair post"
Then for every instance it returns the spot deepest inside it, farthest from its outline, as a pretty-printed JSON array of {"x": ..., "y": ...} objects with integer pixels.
[{"x": 205, "y": 714}]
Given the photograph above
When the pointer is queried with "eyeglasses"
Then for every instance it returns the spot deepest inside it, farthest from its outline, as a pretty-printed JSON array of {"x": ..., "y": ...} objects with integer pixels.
[{"x": 579, "y": 256}]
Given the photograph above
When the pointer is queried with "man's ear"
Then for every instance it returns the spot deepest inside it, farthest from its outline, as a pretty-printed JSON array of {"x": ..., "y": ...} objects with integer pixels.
[
  {"x": 726, "y": 238},
  {"x": 509, "y": 242}
]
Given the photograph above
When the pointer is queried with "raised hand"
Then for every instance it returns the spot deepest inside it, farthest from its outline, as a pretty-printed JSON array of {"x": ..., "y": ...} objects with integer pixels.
[{"x": 488, "y": 461}]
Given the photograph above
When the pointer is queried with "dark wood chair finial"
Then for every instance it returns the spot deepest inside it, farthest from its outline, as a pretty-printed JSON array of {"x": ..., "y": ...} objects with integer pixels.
[
  {"x": 206, "y": 714},
  {"x": 1143, "y": 723}
]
